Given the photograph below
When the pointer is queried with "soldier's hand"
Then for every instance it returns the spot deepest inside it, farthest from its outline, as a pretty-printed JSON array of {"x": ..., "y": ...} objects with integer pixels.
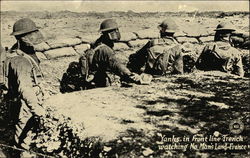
[{"x": 135, "y": 77}]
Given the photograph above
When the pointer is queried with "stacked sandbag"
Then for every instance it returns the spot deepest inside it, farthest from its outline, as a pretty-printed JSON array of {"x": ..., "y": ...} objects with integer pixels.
[{"x": 60, "y": 52}]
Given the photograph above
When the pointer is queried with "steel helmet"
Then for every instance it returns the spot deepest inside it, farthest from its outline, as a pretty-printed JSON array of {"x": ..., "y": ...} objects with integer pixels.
[
  {"x": 23, "y": 26},
  {"x": 224, "y": 27},
  {"x": 169, "y": 25},
  {"x": 108, "y": 24}
]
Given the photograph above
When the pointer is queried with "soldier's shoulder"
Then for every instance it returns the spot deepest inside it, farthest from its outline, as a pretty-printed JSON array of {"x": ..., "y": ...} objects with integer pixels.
[
  {"x": 18, "y": 60},
  {"x": 104, "y": 47}
]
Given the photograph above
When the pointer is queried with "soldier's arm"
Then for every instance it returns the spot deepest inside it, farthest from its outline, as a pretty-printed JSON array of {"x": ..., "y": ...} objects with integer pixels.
[{"x": 23, "y": 70}]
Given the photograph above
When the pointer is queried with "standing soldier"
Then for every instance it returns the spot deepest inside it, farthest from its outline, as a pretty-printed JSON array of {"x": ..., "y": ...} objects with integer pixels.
[
  {"x": 221, "y": 55},
  {"x": 24, "y": 95},
  {"x": 94, "y": 65},
  {"x": 159, "y": 56}
]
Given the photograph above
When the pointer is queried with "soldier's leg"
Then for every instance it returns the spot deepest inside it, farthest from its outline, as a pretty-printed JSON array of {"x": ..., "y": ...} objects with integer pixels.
[
  {"x": 101, "y": 79},
  {"x": 22, "y": 127}
]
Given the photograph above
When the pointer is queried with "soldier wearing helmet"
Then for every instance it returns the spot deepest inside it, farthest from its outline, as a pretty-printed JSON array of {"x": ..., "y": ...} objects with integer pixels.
[
  {"x": 24, "y": 95},
  {"x": 110, "y": 33},
  {"x": 220, "y": 55},
  {"x": 159, "y": 56},
  {"x": 93, "y": 66},
  {"x": 223, "y": 31},
  {"x": 103, "y": 59}
]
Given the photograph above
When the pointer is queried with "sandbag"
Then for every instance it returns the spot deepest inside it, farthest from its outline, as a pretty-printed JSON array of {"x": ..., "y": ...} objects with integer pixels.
[
  {"x": 148, "y": 34},
  {"x": 138, "y": 43},
  {"x": 207, "y": 39},
  {"x": 41, "y": 56},
  {"x": 59, "y": 43},
  {"x": 60, "y": 52},
  {"x": 120, "y": 46},
  {"x": 42, "y": 47},
  {"x": 128, "y": 36},
  {"x": 187, "y": 39},
  {"x": 80, "y": 49}
]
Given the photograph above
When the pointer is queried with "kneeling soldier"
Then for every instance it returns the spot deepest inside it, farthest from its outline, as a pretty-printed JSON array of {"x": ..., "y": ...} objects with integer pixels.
[{"x": 97, "y": 61}]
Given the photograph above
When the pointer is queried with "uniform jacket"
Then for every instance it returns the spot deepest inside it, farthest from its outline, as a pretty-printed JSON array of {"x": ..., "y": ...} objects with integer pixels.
[
  {"x": 158, "y": 56},
  {"x": 21, "y": 82},
  {"x": 104, "y": 59},
  {"x": 221, "y": 56}
]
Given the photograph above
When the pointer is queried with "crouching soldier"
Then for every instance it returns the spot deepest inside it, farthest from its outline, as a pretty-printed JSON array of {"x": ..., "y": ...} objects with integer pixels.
[
  {"x": 24, "y": 94},
  {"x": 159, "y": 56},
  {"x": 221, "y": 55},
  {"x": 97, "y": 61}
]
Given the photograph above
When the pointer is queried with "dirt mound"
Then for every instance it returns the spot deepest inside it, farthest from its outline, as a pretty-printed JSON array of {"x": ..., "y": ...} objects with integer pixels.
[{"x": 129, "y": 122}]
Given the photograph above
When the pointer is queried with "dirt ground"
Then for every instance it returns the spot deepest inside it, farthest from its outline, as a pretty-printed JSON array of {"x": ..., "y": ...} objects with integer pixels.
[{"x": 136, "y": 121}]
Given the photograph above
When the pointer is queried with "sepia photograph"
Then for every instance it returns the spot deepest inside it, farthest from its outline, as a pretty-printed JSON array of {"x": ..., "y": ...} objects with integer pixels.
[{"x": 124, "y": 79}]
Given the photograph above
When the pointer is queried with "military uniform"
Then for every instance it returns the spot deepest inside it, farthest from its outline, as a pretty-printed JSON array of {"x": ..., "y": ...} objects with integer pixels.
[
  {"x": 158, "y": 57},
  {"x": 221, "y": 56},
  {"x": 25, "y": 95},
  {"x": 104, "y": 60},
  {"x": 96, "y": 62}
]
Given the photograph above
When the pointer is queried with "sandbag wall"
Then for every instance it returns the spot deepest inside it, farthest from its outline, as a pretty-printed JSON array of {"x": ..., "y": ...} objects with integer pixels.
[
  {"x": 57, "y": 48},
  {"x": 192, "y": 42}
]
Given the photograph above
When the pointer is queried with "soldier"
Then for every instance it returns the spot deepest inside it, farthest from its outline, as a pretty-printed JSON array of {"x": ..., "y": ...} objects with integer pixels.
[
  {"x": 97, "y": 61},
  {"x": 221, "y": 55},
  {"x": 2, "y": 59},
  {"x": 24, "y": 95},
  {"x": 159, "y": 56}
]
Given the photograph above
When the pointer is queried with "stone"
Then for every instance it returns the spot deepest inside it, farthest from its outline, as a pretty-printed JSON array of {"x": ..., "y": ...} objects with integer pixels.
[
  {"x": 60, "y": 52},
  {"x": 106, "y": 148},
  {"x": 147, "y": 152},
  {"x": 59, "y": 43}
]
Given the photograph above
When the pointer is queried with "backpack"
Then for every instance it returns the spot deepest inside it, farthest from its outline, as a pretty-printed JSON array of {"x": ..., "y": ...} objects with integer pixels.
[
  {"x": 76, "y": 76},
  {"x": 161, "y": 59},
  {"x": 209, "y": 59}
]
